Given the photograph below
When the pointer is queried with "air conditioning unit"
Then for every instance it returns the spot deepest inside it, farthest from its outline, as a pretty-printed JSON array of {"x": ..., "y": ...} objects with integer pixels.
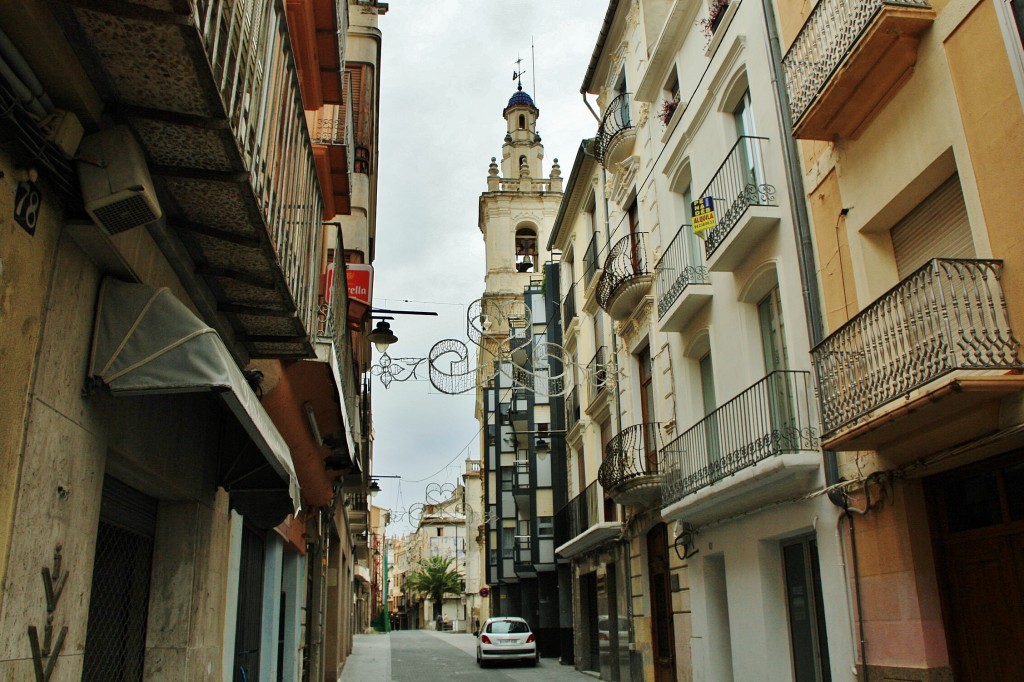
[{"x": 116, "y": 186}]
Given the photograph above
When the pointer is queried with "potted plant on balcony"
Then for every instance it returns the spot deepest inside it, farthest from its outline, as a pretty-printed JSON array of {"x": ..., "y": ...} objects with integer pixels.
[
  {"x": 709, "y": 24},
  {"x": 668, "y": 107}
]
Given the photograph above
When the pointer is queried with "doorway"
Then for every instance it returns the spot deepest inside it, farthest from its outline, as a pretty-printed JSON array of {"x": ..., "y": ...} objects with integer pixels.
[
  {"x": 662, "y": 628},
  {"x": 979, "y": 535}
]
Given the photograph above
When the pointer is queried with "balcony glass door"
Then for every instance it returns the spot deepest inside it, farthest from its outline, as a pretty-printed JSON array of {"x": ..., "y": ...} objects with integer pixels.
[
  {"x": 773, "y": 347},
  {"x": 707, "y": 389},
  {"x": 752, "y": 166},
  {"x": 647, "y": 411}
]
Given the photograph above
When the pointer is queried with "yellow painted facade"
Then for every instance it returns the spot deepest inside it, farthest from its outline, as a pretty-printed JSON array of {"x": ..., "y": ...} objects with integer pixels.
[{"x": 958, "y": 112}]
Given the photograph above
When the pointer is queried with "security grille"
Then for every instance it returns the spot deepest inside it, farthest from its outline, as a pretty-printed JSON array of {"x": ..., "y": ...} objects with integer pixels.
[{"x": 119, "y": 599}]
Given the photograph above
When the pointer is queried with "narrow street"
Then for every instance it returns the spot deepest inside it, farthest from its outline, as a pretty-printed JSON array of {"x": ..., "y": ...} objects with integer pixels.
[{"x": 419, "y": 655}]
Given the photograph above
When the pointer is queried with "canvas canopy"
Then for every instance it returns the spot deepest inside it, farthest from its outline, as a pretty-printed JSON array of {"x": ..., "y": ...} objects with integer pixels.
[{"x": 147, "y": 342}]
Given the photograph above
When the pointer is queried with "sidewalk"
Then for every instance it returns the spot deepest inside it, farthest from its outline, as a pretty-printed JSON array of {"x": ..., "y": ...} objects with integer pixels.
[{"x": 370, "y": 660}]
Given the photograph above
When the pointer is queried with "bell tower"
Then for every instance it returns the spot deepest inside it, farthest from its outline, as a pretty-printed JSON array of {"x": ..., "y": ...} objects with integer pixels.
[
  {"x": 519, "y": 207},
  {"x": 522, "y": 153}
]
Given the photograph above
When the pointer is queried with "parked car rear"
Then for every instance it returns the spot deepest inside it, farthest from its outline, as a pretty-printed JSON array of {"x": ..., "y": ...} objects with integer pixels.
[{"x": 506, "y": 638}]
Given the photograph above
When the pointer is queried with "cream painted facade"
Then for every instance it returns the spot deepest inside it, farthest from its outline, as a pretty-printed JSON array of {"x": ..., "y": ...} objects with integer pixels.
[{"x": 697, "y": 422}]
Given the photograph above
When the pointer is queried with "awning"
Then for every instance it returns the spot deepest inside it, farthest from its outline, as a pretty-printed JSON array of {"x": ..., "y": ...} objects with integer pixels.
[{"x": 146, "y": 342}]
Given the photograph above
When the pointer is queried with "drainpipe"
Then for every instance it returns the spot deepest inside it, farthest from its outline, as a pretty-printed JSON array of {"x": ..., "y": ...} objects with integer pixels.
[
  {"x": 590, "y": 108},
  {"x": 808, "y": 277},
  {"x": 626, "y": 573}
]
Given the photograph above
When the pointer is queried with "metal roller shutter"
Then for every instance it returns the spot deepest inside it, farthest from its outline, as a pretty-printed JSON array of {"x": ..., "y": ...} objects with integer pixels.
[{"x": 936, "y": 228}]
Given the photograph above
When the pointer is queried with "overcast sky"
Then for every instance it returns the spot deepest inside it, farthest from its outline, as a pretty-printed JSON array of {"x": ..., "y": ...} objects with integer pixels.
[{"x": 446, "y": 76}]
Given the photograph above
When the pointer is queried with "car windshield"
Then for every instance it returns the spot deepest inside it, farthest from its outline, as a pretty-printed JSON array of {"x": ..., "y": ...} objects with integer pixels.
[{"x": 501, "y": 627}]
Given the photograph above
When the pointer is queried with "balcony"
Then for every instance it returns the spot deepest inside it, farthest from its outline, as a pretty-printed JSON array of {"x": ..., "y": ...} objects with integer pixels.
[
  {"x": 758, "y": 448},
  {"x": 615, "y": 135},
  {"x": 847, "y": 62},
  {"x": 597, "y": 379},
  {"x": 947, "y": 319},
  {"x": 744, "y": 205},
  {"x": 572, "y": 408},
  {"x": 588, "y": 521},
  {"x": 631, "y": 471},
  {"x": 522, "y": 489},
  {"x": 591, "y": 261},
  {"x": 213, "y": 97},
  {"x": 522, "y": 557},
  {"x": 333, "y": 146},
  {"x": 626, "y": 277},
  {"x": 681, "y": 281},
  {"x": 358, "y": 511},
  {"x": 569, "y": 308}
]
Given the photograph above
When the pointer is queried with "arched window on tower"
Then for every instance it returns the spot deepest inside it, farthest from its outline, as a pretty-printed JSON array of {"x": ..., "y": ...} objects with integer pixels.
[
  {"x": 522, "y": 122},
  {"x": 526, "y": 249}
]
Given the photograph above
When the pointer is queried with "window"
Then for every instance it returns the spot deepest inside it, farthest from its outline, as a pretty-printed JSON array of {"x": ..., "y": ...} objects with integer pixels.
[
  {"x": 545, "y": 526},
  {"x": 671, "y": 89},
  {"x": 506, "y": 478},
  {"x": 522, "y": 122},
  {"x": 508, "y": 542}
]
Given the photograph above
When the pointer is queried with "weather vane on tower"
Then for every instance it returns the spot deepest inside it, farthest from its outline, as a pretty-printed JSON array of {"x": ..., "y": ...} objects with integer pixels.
[{"x": 517, "y": 74}]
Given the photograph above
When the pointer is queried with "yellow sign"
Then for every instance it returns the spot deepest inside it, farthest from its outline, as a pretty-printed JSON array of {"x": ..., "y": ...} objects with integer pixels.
[{"x": 703, "y": 216}]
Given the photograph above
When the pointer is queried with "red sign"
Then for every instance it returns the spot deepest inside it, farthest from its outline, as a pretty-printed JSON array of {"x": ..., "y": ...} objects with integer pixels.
[
  {"x": 360, "y": 282},
  {"x": 484, "y": 591}
]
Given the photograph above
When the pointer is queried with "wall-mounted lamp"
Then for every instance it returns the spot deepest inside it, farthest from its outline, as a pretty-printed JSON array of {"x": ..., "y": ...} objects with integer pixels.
[
  {"x": 382, "y": 336},
  {"x": 375, "y": 485}
]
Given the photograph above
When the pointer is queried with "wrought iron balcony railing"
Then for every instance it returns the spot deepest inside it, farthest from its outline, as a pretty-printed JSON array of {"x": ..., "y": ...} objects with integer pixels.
[
  {"x": 572, "y": 408},
  {"x": 827, "y": 36},
  {"x": 769, "y": 418},
  {"x": 738, "y": 184},
  {"x": 597, "y": 375},
  {"x": 633, "y": 452},
  {"x": 580, "y": 513},
  {"x": 626, "y": 261},
  {"x": 247, "y": 45},
  {"x": 356, "y": 502},
  {"x": 590, "y": 260},
  {"x": 948, "y": 315},
  {"x": 616, "y": 119},
  {"x": 569, "y": 307},
  {"x": 680, "y": 267}
]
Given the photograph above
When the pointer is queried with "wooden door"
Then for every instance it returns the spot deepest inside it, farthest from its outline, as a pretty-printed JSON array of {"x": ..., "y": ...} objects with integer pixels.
[{"x": 663, "y": 631}]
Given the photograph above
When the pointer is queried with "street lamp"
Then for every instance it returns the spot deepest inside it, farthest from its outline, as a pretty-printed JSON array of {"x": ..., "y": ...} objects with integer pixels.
[
  {"x": 382, "y": 336},
  {"x": 375, "y": 484}
]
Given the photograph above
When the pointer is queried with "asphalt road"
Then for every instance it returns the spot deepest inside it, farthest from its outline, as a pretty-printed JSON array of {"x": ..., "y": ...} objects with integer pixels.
[{"x": 429, "y": 656}]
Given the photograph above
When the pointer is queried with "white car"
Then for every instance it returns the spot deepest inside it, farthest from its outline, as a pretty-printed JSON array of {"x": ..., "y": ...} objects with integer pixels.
[{"x": 506, "y": 638}]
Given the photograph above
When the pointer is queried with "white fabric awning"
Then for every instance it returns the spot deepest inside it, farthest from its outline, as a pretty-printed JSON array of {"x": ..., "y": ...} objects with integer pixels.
[{"x": 145, "y": 341}]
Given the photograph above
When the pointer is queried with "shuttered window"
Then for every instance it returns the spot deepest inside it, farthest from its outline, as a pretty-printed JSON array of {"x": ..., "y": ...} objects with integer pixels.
[{"x": 935, "y": 228}]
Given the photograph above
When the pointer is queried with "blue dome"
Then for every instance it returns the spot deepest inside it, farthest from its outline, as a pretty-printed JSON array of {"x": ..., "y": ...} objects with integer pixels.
[{"x": 521, "y": 97}]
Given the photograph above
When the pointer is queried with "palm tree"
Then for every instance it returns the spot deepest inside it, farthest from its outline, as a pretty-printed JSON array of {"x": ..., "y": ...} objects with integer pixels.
[{"x": 436, "y": 578}]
